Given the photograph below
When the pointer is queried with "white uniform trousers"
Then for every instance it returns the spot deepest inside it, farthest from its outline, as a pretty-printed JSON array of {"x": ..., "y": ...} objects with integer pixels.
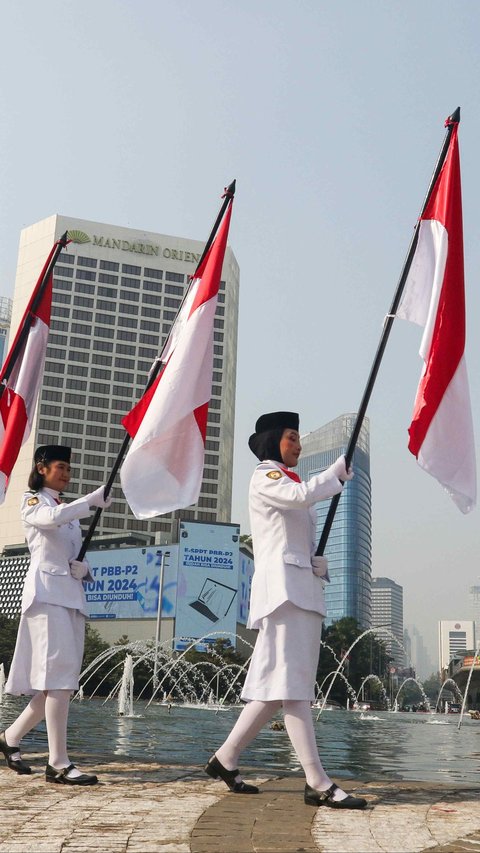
[
  {"x": 49, "y": 650},
  {"x": 285, "y": 658}
]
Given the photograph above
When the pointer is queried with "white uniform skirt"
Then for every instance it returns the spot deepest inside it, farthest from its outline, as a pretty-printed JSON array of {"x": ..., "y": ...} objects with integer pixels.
[
  {"x": 49, "y": 650},
  {"x": 285, "y": 658}
]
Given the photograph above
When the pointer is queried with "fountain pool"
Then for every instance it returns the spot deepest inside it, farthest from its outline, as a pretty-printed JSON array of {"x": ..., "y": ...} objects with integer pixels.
[{"x": 399, "y": 746}]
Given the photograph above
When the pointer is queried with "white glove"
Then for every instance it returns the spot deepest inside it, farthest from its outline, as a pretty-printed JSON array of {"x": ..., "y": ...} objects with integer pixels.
[
  {"x": 97, "y": 498},
  {"x": 320, "y": 567},
  {"x": 339, "y": 469},
  {"x": 79, "y": 570}
]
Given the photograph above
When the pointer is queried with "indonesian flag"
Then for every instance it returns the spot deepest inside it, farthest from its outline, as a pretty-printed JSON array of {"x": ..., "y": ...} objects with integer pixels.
[
  {"x": 441, "y": 432},
  {"x": 163, "y": 468},
  {"x": 21, "y": 376}
]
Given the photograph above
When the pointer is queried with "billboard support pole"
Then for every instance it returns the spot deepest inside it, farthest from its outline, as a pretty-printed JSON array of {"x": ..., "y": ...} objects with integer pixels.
[{"x": 165, "y": 554}]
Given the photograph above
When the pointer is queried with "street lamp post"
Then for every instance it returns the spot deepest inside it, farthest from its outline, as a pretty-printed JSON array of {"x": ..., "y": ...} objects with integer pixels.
[{"x": 165, "y": 554}]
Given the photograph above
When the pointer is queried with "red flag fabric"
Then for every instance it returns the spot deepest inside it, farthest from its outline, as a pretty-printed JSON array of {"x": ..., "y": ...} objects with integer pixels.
[
  {"x": 21, "y": 376},
  {"x": 163, "y": 468},
  {"x": 441, "y": 432}
]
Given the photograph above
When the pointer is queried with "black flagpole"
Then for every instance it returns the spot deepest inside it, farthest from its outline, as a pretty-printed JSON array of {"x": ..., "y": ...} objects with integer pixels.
[
  {"x": 18, "y": 346},
  {"x": 227, "y": 196},
  {"x": 450, "y": 122}
]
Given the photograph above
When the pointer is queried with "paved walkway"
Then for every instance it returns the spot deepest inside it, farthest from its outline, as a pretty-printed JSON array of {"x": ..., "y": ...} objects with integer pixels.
[{"x": 152, "y": 808}]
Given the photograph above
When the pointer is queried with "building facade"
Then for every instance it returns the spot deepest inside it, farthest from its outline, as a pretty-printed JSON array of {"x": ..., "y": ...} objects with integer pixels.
[
  {"x": 116, "y": 292},
  {"x": 387, "y": 616},
  {"x": 349, "y": 546},
  {"x": 5, "y": 320},
  {"x": 454, "y": 639}
]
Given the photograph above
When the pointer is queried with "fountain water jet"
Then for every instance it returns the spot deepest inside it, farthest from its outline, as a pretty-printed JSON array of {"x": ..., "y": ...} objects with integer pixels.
[
  {"x": 457, "y": 691},
  {"x": 377, "y": 680},
  {"x": 426, "y": 700}
]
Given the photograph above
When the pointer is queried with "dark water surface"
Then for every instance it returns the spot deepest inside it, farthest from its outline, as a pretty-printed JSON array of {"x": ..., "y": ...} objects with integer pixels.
[{"x": 374, "y": 745}]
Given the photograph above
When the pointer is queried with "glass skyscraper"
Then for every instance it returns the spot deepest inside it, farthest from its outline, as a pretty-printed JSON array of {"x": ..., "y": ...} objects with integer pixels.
[{"x": 349, "y": 546}]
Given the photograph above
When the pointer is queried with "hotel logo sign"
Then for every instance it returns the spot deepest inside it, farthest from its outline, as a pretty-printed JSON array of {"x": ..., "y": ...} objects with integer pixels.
[{"x": 137, "y": 247}]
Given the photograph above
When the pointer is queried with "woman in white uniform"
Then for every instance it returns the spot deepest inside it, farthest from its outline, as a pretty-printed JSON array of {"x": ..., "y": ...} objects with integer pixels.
[
  {"x": 49, "y": 648},
  {"x": 287, "y": 605}
]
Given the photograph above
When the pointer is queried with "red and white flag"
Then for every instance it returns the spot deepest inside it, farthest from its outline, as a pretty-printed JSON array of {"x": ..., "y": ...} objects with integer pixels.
[
  {"x": 22, "y": 374},
  {"x": 163, "y": 468},
  {"x": 441, "y": 432}
]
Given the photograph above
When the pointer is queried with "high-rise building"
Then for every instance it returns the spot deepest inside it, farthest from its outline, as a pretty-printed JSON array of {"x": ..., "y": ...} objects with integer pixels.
[
  {"x": 420, "y": 657},
  {"x": 387, "y": 616},
  {"x": 5, "y": 320},
  {"x": 454, "y": 638},
  {"x": 116, "y": 292},
  {"x": 349, "y": 546},
  {"x": 475, "y": 607}
]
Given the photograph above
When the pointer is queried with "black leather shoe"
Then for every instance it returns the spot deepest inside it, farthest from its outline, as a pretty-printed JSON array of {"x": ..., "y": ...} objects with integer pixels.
[
  {"x": 18, "y": 765},
  {"x": 215, "y": 769},
  {"x": 313, "y": 797},
  {"x": 61, "y": 778}
]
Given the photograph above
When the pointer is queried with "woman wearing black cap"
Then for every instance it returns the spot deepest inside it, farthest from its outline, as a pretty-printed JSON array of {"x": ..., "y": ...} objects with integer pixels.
[
  {"x": 49, "y": 648},
  {"x": 287, "y": 605}
]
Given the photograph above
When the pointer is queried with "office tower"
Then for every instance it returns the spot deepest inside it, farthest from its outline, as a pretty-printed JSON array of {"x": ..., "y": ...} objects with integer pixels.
[
  {"x": 420, "y": 657},
  {"x": 387, "y": 616},
  {"x": 116, "y": 293},
  {"x": 454, "y": 639},
  {"x": 475, "y": 608},
  {"x": 349, "y": 546},
  {"x": 5, "y": 320}
]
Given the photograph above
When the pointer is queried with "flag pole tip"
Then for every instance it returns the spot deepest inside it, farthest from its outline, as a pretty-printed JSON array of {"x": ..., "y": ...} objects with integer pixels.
[
  {"x": 454, "y": 118},
  {"x": 230, "y": 190},
  {"x": 64, "y": 239}
]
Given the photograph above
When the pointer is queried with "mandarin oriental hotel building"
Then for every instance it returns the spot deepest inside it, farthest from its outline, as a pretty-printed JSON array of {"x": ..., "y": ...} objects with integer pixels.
[{"x": 116, "y": 292}]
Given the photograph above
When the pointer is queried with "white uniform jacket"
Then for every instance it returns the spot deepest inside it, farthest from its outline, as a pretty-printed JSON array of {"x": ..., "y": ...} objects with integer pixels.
[
  {"x": 54, "y": 537},
  {"x": 283, "y": 525}
]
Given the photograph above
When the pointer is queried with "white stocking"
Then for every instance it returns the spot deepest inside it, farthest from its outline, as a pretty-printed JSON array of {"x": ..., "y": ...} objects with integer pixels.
[
  {"x": 299, "y": 726},
  {"x": 253, "y": 717},
  {"x": 56, "y": 717},
  {"x": 31, "y": 715}
]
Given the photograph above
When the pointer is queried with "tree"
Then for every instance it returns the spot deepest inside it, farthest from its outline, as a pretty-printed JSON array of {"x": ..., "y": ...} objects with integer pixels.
[
  {"x": 368, "y": 656},
  {"x": 8, "y": 637}
]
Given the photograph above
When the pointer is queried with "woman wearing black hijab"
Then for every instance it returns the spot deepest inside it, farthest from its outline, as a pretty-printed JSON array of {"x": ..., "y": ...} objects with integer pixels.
[{"x": 287, "y": 605}]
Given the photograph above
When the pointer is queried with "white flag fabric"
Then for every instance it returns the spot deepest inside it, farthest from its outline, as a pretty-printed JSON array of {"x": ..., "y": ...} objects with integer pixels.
[
  {"x": 21, "y": 376},
  {"x": 163, "y": 468},
  {"x": 441, "y": 432}
]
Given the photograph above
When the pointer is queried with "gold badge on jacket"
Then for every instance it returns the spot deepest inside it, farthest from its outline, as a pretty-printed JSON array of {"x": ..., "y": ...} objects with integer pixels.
[
  {"x": 274, "y": 475},
  {"x": 33, "y": 501}
]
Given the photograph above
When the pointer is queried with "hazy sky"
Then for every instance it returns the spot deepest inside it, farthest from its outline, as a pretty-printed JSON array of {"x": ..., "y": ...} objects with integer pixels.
[{"x": 330, "y": 116}]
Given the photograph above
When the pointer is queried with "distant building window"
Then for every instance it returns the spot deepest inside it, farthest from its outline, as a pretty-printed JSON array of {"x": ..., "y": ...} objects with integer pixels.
[
  {"x": 122, "y": 335},
  {"x": 171, "y": 303},
  {"x": 101, "y": 359},
  {"x": 81, "y": 343},
  {"x": 58, "y": 284},
  {"x": 82, "y": 315},
  {"x": 64, "y": 298},
  {"x": 86, "y": 275},
  {"x": 96, "y": 430},
  {"x": 174, "y": 276},
  {"x": 129, "y": 296},
  {"x": 102, "y": 332},
  {"x": 66, "y": 259},
  {"x": 73, "y": 427},
  {"x": 82, "y": 301},
  {"x": 108, "y": 319},
  {"x": 125, "y": 349},
  {"x": 109, "y": 265},
  {"x": 80, "y": 329},
  {"x": 60, "y": 312},
  {"x": 151, "y": 273},
  {"x": 151, "y": 299},
  {"x": 106, "y": 278},
  {"x": 150, "y": 312},
  {"x": 67, "y": 272},
  {"x": 174, "y": 289},
  {"x": 106, "y": 291},
  {"x": 86, "y": 262},
  {"x": 154, "y": 286},
  {"x": 77, "y": 356},
  {"x": 130, "y": 282},
  {"x": 128, "y": 309},
  {"x": 131, "y": 270},
  {"x": 106, "y": 346}
]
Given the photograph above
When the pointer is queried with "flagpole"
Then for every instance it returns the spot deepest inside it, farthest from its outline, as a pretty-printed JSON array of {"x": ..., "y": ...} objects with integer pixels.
[
  {"x": 451, "y": 121},
  {"x": 228, "y": 195},
  {"x": 18, "y": 346}
]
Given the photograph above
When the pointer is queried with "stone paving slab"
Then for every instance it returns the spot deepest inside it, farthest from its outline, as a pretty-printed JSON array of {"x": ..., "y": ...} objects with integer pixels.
[{"x": 152, "y": 808}]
